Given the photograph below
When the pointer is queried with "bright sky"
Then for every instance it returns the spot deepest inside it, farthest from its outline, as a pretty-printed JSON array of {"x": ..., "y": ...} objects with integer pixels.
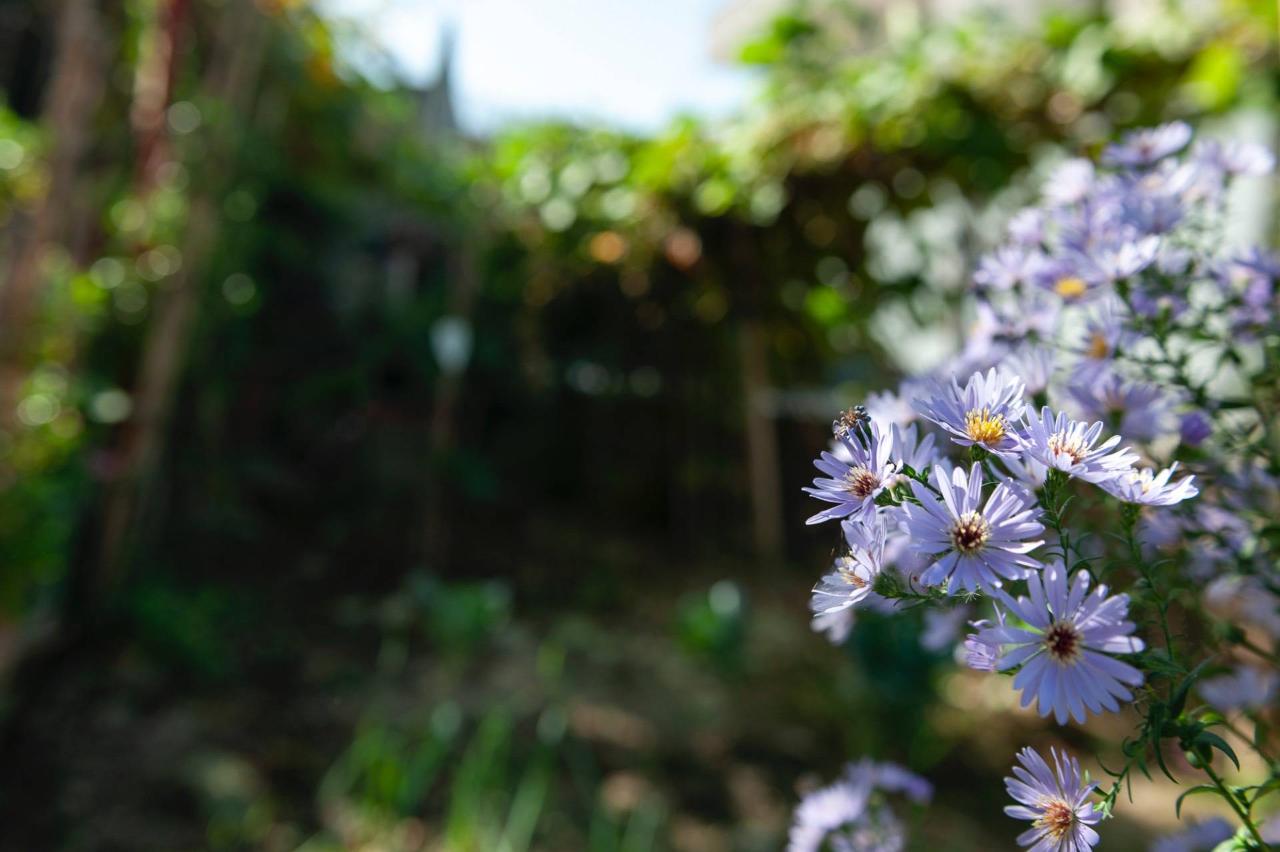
[{"x": 630, "y": 63}]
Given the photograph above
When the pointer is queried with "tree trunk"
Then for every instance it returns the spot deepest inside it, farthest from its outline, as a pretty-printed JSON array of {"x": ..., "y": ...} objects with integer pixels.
[
  {"x": 75, "y": 91},
  {"x": 231, "y": 79}
]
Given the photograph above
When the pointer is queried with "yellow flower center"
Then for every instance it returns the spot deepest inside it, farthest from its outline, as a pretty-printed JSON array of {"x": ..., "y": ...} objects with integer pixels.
[
  {"x": 1098, "y": 347},
  {"x": 1070, "y": 287},
  {"x": 1057, "y": 818},
  {"x": 1072, "y": 447},
  {"x": 983, "y": 427}
]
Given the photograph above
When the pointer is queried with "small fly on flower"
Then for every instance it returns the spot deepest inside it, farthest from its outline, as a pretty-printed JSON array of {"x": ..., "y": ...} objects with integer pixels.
[{"x": 852, "y": 421}]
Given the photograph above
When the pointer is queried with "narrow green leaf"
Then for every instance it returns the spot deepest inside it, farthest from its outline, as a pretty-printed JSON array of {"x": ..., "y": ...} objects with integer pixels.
[
  {"x": 1199, "y": 788},
  {"x": 1214, "y": 741}
]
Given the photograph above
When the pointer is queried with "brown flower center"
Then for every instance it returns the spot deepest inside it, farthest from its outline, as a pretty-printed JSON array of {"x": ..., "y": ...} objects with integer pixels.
[
  {"x": 861, "y": 482},
  {"x": 1063, "y": 640},
  {"x": 983, "y": 427},
  {"x": 1058, "y": 818},
  {"x": 1071, "y": 446},
  {"x": 970, "y": 532}
]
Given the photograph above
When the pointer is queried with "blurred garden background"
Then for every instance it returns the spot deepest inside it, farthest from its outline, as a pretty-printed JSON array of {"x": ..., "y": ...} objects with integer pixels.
[{"x": 385, "y": 468}]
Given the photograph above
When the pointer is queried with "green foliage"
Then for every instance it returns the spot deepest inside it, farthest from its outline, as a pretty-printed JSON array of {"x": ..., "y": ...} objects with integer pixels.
[
  {"x": 457, "y": 617},
  {"x": 784, "y": 34},
  {"x": 499, "y": 790},
  {"x": 187, "y": 629},
  {"x": 390, "y": 770},
  {"x": 713, "y": 627}
]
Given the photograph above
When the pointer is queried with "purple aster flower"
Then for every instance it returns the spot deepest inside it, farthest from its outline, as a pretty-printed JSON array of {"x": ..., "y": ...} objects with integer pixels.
[
  {"x": 899, "y": 554},
  {"x": 1200, "y": 837},
  {"x": 825, "y": 811},
  {"x": 1248, "y": 688},
  {"x": 979, "y": 654},
  {"x": 1174, "y": 260},
  {"x": 1005, "y": 269},
  {"x": 1026, "y": 471},
  {"x": 891, "y": 408},
  {"x": 1070, "y": 182},
  {"x": 1162, "y": 530},
  {"x": 1247, "y": 158},
  {"x": 1249, "y": 279},
  {"x": 836, "y": 626},
  {"x": 1258, "y": 293},
  {"x": 1221, "y": 536},
  {"x": 1033, "y": 364},
  {"x": 1033, "y": 314},
  {"x": 1249, "y": 487},
  {"x": 1150, "y": 299},
  {"x": 1153, "y": 213},
  {"x": 1072, "y": 447},
  {"x": 1137, "y": 410},
  {"x": 941, "y": 626},
  {"x": 1064, "y": 650},
  {"x": 1056, "y": 801},
  {"x": 892, "y": 778},
  {"x": 1027, "y": 227},
  {"x": 1142, "y": 148},
  {"x": 1075, "y": 278},
  {"x": 1148, "y": 488},
  {"x": 1233, "y": 157},
  {"x": 983, "y": 412},
  {"x": 1271, "y": 830},
  {"x": 854, "y": 484},
  {"x": 975, "y": 545},
  {"x": 984, "y": 345},
  {"x": 1244, "y": 599},
  {"x": 1097, "y": 223},
  {"x": 852, "y": 815},
  {"x": 878, "y": 831},
  {"x": 1194, "y": 428},
  {"x": 1105, "y": 334},
  {"x": 1197, "y": 181},
  {"x": 909, "y": 450},
  {"x": 1127, "y": 258},
  {"x": 854, "y": 573},
  {"x": 1258, "y": 262}
]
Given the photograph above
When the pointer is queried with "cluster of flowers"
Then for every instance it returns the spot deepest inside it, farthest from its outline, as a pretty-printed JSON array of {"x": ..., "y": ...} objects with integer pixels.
[
  {"x": 1116, "y": 342},
  {"x": 854, "y": 813}
]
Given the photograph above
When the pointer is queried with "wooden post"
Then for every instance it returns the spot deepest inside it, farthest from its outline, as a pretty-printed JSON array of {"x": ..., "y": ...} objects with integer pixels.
[
  {"x": 762, "y": 443},
  {"x": 463, "y": 285},
  {"x": 761, "y": 432}
]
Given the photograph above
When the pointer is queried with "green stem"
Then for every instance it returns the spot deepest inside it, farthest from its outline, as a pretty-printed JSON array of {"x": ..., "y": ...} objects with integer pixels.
[
  {"x": 1054, "y": 503},
  {"x": 1269, "y": 656},
  {"x": 1110, "y": 798},
  {"x": 1235, "y": 805},
  {"x": 1130, "y": 515},
  {"x": 1251, "y": 742}
]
